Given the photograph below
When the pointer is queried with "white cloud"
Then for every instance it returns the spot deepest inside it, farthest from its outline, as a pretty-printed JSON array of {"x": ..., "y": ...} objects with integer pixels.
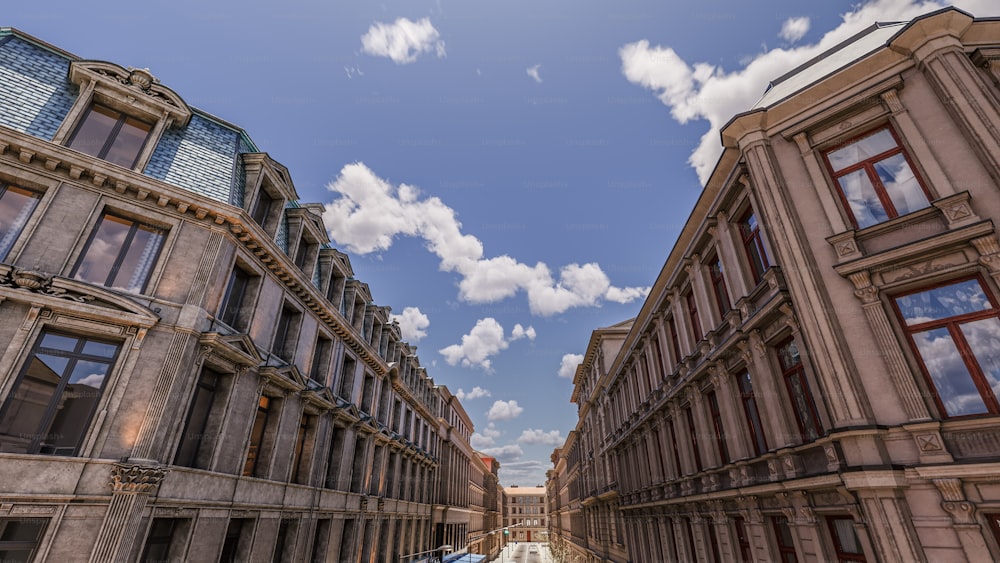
[
  {"x": 504, "y": 410},
  {"x": 505, "y": 454},
  {"x": 705, "y": 91},
  {"x": 532, "y": 436},
  {"x": 794, "y": 29},
  {"x": 569, "y": 364},
  {"x": 478, "y": 441},
  {"x": 528, "y": 473},
  {"x": 484, "y": 340},
  {"x": 519, "y": 332},
  {"x": 476, "y": 393},
  {"x": 403, "y": 40},
  {"x": 533, "y": 72},
  {"x": 412, "y": 324},
  {"x": 371, "y": 212}
]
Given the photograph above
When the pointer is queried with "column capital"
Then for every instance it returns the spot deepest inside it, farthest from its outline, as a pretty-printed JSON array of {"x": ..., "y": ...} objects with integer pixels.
[{"x": 135, "y": 478}]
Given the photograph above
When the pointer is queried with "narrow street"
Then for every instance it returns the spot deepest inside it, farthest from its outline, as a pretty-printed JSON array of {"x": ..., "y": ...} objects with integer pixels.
[{"x": 522, "y": 553}]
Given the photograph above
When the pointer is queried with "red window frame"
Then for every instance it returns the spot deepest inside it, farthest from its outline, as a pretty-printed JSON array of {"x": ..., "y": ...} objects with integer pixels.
[
  {"x": 797, "y": 372},
  {"x": 753, "y": 244},
  {"x": 752, "y": 413},
  {"x": 743, "y": 540},
  {"x": 868, "y": 165},
  {"x": 991, "y": 402},
  {"x": 719, "y": 286},
  {"x": 693, "y": 434},
  {"x": 994, "y": 520},
  {"x": 786, "y": 551},
  {"x": 843, "y": 556},
  {"x": 720, "y": 434},
  {"x": 692, "y": 309}
]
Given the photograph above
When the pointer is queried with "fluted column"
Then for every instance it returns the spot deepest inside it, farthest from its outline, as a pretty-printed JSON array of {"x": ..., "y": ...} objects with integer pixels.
[{"x": 132, "y": 486}]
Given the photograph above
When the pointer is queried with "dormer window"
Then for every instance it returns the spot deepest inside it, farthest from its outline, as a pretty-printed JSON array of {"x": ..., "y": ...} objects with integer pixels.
[
  {"x": 111, "y": 135},
  {"x": 262, "y": 207}
]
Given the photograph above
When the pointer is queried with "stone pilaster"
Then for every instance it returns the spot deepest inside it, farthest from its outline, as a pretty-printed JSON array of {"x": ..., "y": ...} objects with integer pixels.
[
  {"x": 963, "y": 517},
  {"x": 132, "y": 485}
]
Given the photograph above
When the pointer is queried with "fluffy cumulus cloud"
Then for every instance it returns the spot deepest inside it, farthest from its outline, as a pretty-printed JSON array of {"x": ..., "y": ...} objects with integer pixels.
[
  {"x": 485, "y": 340},
  {"x": 533, "y": 73},
  {"x": 403, "y": 40},
  {"x": 794, "y": 29},
  {"x": 476, "y": 393},
  {"x": 371, "y": 212},
  {"x": 711, "y": 93},
  {"x": 527, "y": 473},
  {"x": 486, "y": 438},
  {"x": 504, "y": 410},
  {"x": 532, "y": 437},
  {"x": 504, "y": 454},
  {"x": 412, "y": 324},
  {"x": 569, "y": 364}
]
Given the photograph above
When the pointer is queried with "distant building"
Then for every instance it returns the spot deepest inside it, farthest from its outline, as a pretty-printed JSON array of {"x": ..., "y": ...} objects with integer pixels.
[
  {"x": 188, "y": 370},
  {"x": 815, "y": 375},
  {"x": 527, "y": 514}
]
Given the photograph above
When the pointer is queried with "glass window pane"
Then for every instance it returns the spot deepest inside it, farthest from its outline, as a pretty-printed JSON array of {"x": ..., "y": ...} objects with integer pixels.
[
  {"x": 93, "y": 133},
  {"x": 76, "y": 405},
  {"x": 943, "y": 302},
  {"x": 846, "y": 537},
  {"x": 59, "y": 342},
  {"x": 861, "y": 196},
  {"x": 26, "y": 407},
  {"x": 22, "y": 529},
  {"x": 16, "y": 205},
  {"x": 139, "y": 258},
  {"x": 128, "y": 143},
  {"x": 801, "y": 404},
  {"x": 951, "y": 377},
  {"x": 103, "y": 250},
  {"x": 983, "y": 337},
  {"x": 788, "y": 355},
  {"x": 102, "y": 349},
  {"x": 901, "y": 184},
  {"x": 862, "y": 149}
]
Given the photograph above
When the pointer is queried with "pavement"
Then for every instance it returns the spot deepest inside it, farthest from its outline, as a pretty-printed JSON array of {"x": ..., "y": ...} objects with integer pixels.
[{"x": 518, "y": 553}]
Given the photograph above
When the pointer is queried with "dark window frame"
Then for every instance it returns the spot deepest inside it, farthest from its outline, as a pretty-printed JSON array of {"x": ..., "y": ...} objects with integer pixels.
[
  {"x": 844, "y": 556},
  {"x": 786, "y": 552},
  {"x": 743, "y": 540},
  {"x": 720, "y": 431},
  {"x": 258, "y": 437},
  {"x": 753, "y": 244},
  {"x": 16, "y": 227},
  {"x": 675, "y": 345},
  {"x": 797, "y": 372},
  {"x": 123, "y": 250},
  {"x": 693, "y": 434},
  {"x": 109, "y": 143},
  {"x": 188, "y": 454},
  {"x": 751, "y": 413},
  {"x": 719, "y": 288},
  {"x": 692, "y": 309},
  {"x": 233, "y": 300},
  {"x": 31, "y": 546}
]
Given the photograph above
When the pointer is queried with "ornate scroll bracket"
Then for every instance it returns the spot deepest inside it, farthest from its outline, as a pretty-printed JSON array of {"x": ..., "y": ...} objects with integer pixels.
[{"x": 134, "y": 478}]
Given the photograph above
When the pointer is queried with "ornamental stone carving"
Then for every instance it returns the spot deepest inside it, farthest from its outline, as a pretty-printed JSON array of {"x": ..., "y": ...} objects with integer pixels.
[{"x": 132, "y": 478}]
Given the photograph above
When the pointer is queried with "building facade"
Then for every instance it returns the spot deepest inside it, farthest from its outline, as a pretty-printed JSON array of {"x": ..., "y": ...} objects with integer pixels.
[
  {"x": 188, "y": 369},
  {"x": 527, "y": 514},
  {"x": 815, "y": 374}
]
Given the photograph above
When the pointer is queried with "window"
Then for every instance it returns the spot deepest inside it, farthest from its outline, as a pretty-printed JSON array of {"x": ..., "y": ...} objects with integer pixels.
[
  {"x": 286, "y": 335},
  {"x": 16, "y": 205},
  {"x": 743, "y": 540},
  {"x": 693, "y": 433},
  {"x": 337, "y": 458},
  {"x": 875, "y": 178},
  {"x": 783, "y": 535},
  {"x": 798, "y": 391},
  {"x": 321, "y": 359},
  {"x": 158, "y": 542},
  {"x": 675, "y": 347},
  {"x": 236, "y": 546},
  {"x": 954, "y": 329},
  {"x": 672, "y": 436},
  {"x": 994, "y": 520},
  {"x": 120, "y": 253},
  {"x": 692, "y": 307},
  {"x": 753, "y": 244},
  {"x": 232, "y": 302},
  {"x": 751, "y": 413},
  {"x": 845, "y": 540},
  {"x": 19, "y": 537},
  {"x": 302, "y": 456},
  {"x": 111, "y": 135},
  {"x": 200, "y": 426},
  {"x": 720, "y": 433},
  {"x": 56, "y": 394},
  {"x": 719, "y": 286},
  {"x": 347, "y": 377},
  {"x": 262, "y": 208},
  {"x": 258, "y": 432}
]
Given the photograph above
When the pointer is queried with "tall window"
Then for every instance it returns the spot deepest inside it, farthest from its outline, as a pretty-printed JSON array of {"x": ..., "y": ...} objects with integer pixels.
[
  {"x": 693, "y": 434},
  {"x": 875, "y": 178},
  {"x": 347, "y": 377},
  {"x": 111, "y": 135},
  {"x": 954, "y": 329},
  {"x": 783, "y": 535},
  {"x": 672, "y": 436},
  {"x": 675, "y": 347},
  {"x": 743, "y": 540},
  {"x": 286, "y": 334},
  {"x": 19, "y": 537},
  {"x": 158, "y": 542},
  {"x": 753, "y": 244},
  {"x": 236, "y": 546},
  {"x": 258, "y": 432},
  {"x": 120, "y": 253},
  {"x": 803, "y": 405},
  {"x": 16, "y": 205},
  {"x": 719, "y": 285},
  {"x": 720, "y": 433},
  {"x": 232, "y": 302},
  {"x": 751, "y": 413},
  {"x": 692, "y": 307},
  {"x": 302, "y": 457},
  {"x": 321, "y": 359},
  {"x": 56, "y": 394},
  {"x": 994, "y": 520},
  {"x": 845, "y": 540},
  {"x": 197, "y": 440},
  {"x": 262, "y": 208}
]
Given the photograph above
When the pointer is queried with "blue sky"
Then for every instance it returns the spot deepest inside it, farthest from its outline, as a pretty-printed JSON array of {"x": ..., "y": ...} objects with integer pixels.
[{"x": 507, "y": 176}]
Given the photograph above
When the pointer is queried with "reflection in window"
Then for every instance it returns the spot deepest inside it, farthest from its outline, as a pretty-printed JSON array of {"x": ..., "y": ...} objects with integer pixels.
[
  {"x": 954, "y": 329},
  {"x": 50, "y": 407},
  {"x": 120, "y": 254},
  {"x": 19, "y": 537},
  {"x": 16, "y": 205},
  {"x": 203, "y": 422},
  {"x": 875, "y": 179},
  {"x": 751, "y": 413},
  {"x": 798, "y": 391},
  {"x": 232, "y": 302},
  {"x": 753, "y": 244},
  {"x": 111, "y": 135}
]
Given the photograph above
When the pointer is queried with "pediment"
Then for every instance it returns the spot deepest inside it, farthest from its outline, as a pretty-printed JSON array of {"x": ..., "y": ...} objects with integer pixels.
[
  {"x": 131, "y": 90},
  {"x": 288, "y": 378},
  {"x": 235, "y": 348}
]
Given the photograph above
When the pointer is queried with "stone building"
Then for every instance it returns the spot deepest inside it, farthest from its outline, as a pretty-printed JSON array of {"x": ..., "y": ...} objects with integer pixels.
[
  {"x": 815, "y": 374},
  {"x": 188, "y": 369},
  {"x": 527, "y": 514}
]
